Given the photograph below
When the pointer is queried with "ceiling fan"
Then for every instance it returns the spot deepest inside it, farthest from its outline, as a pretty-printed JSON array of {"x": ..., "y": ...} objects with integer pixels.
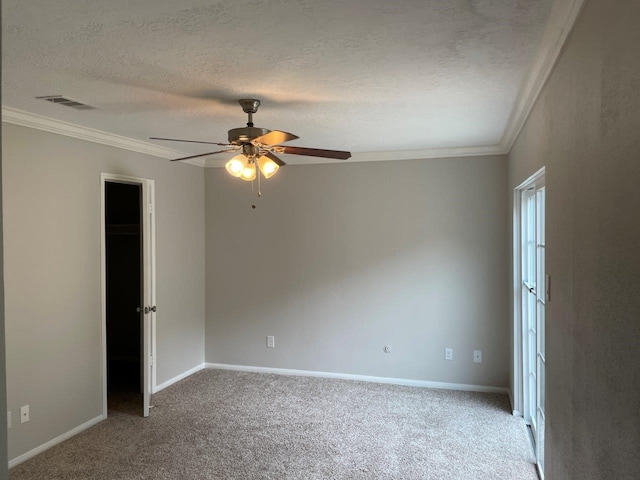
[{"x": 258, "y": 147}]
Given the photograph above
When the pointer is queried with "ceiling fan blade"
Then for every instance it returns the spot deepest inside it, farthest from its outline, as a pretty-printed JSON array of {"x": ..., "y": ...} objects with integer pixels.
[
  {"x": 275, "y": 137},
  {"x": 317, "y": 152},
  {"x": 201, "y": 155},
  {"x": 279, "y": 162},
  {"x": 189, "y": 141}
]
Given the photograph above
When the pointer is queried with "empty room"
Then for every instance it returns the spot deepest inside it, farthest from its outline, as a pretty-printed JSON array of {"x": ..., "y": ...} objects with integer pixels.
[{"x": 326, "y": 239}]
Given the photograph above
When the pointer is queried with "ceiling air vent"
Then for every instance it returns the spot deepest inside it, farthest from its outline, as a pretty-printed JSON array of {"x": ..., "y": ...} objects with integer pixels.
[{"x": 67, "y": 102}]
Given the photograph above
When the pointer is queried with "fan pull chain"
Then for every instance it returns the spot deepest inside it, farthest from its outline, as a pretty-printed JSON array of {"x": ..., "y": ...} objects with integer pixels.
[{"x": 259, "y": 172}]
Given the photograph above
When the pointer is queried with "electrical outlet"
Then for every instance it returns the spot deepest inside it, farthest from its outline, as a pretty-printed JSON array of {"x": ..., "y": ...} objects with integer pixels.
[
  {"x": 387, "y": 349},
  {"x": 477, "y": 356},
  {"x": 271, "y": 341},
  {"x": 24, "y": 414},
  {"x": 448, "y": 353},
  {"x": 8, "y": 419}
]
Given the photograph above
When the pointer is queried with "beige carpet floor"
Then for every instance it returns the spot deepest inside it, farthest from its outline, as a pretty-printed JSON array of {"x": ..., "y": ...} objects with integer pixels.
[{"x": 233, "y": 425}]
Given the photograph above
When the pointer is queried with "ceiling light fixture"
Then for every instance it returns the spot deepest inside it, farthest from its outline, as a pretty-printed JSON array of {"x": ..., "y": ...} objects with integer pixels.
[
  {"x": 254, "y": 162},
  {"x": 244, "y": 167},
  {"x": 236, "y": 165},
  {"x": 267, "y": 166},
  {"x": 249, "y": 171},
  {"x": 260, "y": 148}
]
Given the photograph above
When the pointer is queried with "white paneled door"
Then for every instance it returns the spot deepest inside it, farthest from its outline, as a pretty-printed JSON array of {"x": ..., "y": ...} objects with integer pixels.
[{"x": 533, "y": 298}]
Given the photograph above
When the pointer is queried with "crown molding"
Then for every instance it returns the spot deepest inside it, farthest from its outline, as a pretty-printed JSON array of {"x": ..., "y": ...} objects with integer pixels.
[
  {"x": 40, "y": 122},
  {"x": 562, "y": 17},
  {"x": 47, "y": 124},
  {"x": 428, "y": 153},
  {"x": 424, "y": 154}
]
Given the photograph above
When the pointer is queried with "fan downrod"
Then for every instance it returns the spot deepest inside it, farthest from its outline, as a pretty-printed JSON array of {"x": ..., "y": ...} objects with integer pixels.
[
  {"x": 249, "y": 106},
  {"x": 242, "y": 136}
]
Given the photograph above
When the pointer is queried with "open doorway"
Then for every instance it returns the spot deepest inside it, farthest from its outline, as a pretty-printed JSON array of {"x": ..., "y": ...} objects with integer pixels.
[
  {"x": 124, "y": 295},
  {"x": 128, "y": 294}
]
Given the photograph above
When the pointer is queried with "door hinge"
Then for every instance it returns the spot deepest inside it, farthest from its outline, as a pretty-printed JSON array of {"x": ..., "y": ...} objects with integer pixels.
[
  {"x": 150, "y": 361},
  {"x": 151, "y": 208}
]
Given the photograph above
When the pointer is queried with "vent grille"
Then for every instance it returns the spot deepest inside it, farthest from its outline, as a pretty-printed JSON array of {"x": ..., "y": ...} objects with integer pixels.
[{"x": 67, "y": 102}]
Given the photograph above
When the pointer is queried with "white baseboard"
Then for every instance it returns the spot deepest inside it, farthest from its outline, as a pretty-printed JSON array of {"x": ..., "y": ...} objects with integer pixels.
[
  {"x": 278, "y": 371},
  {"x": 65, "y": 436},
  {"x": 177, "y": 378},
  {"x": 59, "y": 439},
  {"x": 362, "y": 378}
]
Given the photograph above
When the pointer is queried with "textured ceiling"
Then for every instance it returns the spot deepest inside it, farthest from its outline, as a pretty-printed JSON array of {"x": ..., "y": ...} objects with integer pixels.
[{"x": 359, "y": 75}]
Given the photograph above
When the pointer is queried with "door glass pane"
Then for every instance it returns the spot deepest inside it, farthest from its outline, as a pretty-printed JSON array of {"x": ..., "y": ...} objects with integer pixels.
[
  {"x": 540, "y": 442},
  {"x": 532, "y": 351},
  {"x": 532, "y": 241},
  {"x": 532, "y": 399},
  {"x": 528, "y": 232},
  {"x": 541, "y": 415},
  {"x": 541, "y": 389},
  {"x": 541, "y": 331}
]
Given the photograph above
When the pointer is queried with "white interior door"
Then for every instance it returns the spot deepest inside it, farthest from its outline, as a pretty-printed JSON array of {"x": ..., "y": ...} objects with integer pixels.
[
  {"x": 149, "y": 301},
  {"x": 533, "y": 299}
]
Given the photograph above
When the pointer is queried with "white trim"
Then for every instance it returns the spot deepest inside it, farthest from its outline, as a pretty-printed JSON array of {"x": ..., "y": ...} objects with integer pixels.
[
  {"x": 518, "y": 368},
  {"x": 562, "y": 17},
  {"x": 55, "y": 441},
  {"x": 357, "y": 157},
  {"x": 103, "y": 296},
  {"x": 40, "y": 122},
  {"x": 177, "y": 378},
  {"x": 514, "y": 412},
  {"x": 424, "y": 154},
  {"x": 361, "y": 378},
  {"x": 47, "y": 124}
]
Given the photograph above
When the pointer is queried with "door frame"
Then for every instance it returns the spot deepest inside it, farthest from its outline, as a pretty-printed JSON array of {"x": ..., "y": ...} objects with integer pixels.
[
  {"x": 518, "y": 331},
  {"x": 149, "y": 284}
]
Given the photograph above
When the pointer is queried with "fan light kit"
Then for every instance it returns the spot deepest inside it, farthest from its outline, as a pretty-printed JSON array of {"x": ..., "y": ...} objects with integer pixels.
[{"x": 258, "y": 147}]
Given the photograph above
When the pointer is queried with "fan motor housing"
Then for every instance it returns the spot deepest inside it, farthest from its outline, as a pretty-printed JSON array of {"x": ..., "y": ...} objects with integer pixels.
[{"x": 238, "y": 136}]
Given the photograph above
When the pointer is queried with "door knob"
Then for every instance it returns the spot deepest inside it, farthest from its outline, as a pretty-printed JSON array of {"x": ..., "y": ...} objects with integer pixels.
[{"x": 147, "y": 310}]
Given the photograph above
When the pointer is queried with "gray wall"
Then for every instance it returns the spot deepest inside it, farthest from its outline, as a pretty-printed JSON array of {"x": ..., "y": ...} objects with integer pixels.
[
  {"x": 585, "y": 129},
  {"x": 338, "y": 260},
  {"x": 3, "y": 371},
  {"x": 3, "y": 377},
  {"x": 52, "y": 275}
]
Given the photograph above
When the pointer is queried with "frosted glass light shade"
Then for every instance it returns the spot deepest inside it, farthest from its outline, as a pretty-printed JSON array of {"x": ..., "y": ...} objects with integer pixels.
[
  {"x": 267, "y": 166},
  {"x": 236, "y": 165},
  {"x": 249, "y": 172}
]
